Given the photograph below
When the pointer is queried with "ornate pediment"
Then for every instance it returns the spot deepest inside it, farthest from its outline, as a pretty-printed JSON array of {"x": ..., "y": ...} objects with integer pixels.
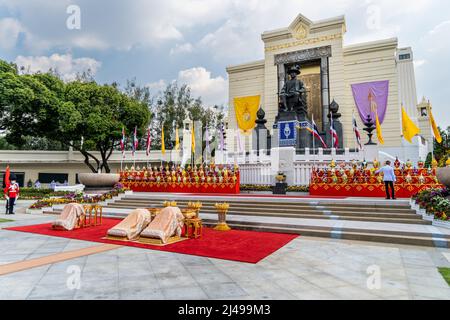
[{"x": 300, "y": 27}]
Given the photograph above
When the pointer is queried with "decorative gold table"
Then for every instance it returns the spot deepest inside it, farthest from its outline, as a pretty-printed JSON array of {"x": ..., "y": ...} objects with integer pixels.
[{"x": 196, "y": 227}]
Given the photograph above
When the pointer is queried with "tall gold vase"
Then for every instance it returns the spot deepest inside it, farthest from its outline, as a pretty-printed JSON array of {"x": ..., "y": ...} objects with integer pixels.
[{"x": 222, "y": 209}]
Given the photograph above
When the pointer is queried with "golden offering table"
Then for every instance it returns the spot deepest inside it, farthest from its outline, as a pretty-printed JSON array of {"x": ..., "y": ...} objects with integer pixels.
[
  {"x": 194, "y": 225},
  {"x": 95, "y": 215}
]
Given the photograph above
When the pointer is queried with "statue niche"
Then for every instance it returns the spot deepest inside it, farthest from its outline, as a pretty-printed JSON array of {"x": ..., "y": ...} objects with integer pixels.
[{"x": 293, "y": 95}]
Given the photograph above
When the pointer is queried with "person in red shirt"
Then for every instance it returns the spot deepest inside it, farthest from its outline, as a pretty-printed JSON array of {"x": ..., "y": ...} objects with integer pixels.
[{"x": 11, "y": 195}]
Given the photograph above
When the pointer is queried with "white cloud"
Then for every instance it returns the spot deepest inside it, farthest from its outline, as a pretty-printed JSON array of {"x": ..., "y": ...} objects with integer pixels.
[
  {"x": 156, "y": 87},
  {"x": 65, "y": 65},
  {"x": 10, "y": 30},
  {"x": 419, "y": 63},
  {"x": 181, "y": 48},
  {"x": 213, "y": 91}
]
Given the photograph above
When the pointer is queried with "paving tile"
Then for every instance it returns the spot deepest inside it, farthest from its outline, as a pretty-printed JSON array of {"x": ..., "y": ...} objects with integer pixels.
[
  {"x": 223, "y": 290},
  {"x": 430, "y": 292},
  {"x": 184, "y": 293}
]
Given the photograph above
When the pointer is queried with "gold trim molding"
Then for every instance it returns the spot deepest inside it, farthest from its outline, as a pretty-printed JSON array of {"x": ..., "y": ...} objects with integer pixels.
[{"x": 303, "y": 42}]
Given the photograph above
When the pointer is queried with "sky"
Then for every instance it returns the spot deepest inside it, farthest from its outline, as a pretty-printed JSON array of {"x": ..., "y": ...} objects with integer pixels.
[{"x": 192, "y": 41}]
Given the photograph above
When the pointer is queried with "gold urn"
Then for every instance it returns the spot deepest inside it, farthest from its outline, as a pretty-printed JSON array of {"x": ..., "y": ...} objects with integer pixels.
[
  {"x": 195, "y": 206},
  {"x": 222, "y": 209},
  {"x": 169, "y": 204}
]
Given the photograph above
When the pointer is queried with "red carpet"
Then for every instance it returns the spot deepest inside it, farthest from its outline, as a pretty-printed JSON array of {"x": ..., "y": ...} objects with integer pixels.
[{"x": 235, "y": 245}]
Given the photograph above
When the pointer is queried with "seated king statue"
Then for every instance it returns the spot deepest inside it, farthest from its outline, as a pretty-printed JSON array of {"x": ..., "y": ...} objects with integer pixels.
[{"x": 293, "y": 95}]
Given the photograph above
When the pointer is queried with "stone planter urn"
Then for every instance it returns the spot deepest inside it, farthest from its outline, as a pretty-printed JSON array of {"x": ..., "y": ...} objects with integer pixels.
[
  {"x": 99, "y": 180},
  {"x": 443, "y": 175}
]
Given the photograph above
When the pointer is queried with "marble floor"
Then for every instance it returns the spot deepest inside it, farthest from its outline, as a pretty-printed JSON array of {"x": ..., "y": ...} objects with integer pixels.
[{"x": 306, "y": 268}]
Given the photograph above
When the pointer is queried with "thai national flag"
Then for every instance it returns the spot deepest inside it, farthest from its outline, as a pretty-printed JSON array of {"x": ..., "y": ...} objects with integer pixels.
[
  {"x": 122, "y": 142},
  {"x": 357, "y": 133},
  {"x": 149, "y": 141},
  {"x": 333, "y": 132},
  {"x": 315, "y": 132}
]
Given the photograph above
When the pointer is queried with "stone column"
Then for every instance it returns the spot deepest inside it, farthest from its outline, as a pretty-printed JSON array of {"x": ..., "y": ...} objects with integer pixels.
[{"x": 325, "y": 89}]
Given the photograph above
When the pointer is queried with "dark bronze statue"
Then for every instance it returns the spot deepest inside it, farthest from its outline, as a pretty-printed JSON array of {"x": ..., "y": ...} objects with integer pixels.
[{"x": 293, "y": 94}]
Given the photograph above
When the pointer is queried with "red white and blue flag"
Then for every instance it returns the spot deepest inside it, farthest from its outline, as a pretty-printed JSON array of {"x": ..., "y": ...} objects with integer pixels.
[
  {"x": 333, "y": 133},
  {"x": 122, "y": 142},
  {"x": 149, "y": 141},
  {"x": 315, "y": 132},
  {"x": 135, "y": 141},
  {"x": 357, "y": 133}
]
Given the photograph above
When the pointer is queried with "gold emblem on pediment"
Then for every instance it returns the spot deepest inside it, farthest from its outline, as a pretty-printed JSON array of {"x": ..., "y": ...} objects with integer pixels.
[{"x": 300, "y": 32}]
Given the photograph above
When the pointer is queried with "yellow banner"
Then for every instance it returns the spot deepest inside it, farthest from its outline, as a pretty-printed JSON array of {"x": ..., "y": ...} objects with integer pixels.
[
  {"x": 193, "y": 139},
  {"x": 410, "y": 130},
  {"x": 437, "y": 134},
  {"x": 163, "y": 143},
  {"x": 177, "y": 140},
  {"x": 246, "y": 109},
  {"x": 379, "y": 133}
]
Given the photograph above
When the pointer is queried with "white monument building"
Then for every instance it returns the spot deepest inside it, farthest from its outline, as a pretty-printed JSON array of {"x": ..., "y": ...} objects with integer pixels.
[{"x": 329, "y": 69}]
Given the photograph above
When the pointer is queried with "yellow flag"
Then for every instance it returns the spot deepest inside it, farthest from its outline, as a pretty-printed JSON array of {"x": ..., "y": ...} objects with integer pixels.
[
  {"x": 437, "y": 134},
  {"x": 163, "y": 143},
  {"x": 193, "y": 138},
  {"x": 246, "y": 109},
  {"x": 410, "y": 130},
  {"x": 177, "y": 140},
  {"x": 379, "y": 133}
]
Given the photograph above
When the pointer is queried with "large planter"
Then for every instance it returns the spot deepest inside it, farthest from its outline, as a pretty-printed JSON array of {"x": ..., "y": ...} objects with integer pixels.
[
  {"x": 443, "y": 175},
  {"x": 99, "y": 180}
]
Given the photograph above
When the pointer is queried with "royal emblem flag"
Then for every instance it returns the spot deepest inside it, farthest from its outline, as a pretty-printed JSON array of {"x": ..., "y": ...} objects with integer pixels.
[
  {"x": 246, "y": 109},
  {"x": 410, "y": 129},
  {"x": 315, "y": 132},
  {"x": 149, "y": 141},
  {"x": 333, "y": 133},
  {"x": 357, "y": 133},
  {"x": 122, "y": 142},
  {"x": 437, "y": 134}
]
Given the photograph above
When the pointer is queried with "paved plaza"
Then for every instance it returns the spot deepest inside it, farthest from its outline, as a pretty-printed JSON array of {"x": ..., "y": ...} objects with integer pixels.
[{"x": 306, "y": 268}]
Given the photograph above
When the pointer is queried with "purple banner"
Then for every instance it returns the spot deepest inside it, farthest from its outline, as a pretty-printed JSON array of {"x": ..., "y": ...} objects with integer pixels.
[{"x": 371, "y": 95}]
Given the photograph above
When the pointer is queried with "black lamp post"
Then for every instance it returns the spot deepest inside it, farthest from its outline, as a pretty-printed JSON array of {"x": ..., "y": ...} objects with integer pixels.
[{"x": 370, "y": 126}]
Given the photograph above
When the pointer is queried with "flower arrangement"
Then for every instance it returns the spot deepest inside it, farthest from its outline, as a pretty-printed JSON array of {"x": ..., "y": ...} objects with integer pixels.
[
  {"x": 72, "y": 197},
  {"x": 37, "y": 194},
  {"x": 435, "y": 202}
]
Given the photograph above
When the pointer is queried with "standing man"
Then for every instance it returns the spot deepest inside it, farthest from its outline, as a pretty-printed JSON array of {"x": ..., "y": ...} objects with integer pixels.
[
  {"x": 12, "y": 194},
  {"x": 389, "y": 179}
]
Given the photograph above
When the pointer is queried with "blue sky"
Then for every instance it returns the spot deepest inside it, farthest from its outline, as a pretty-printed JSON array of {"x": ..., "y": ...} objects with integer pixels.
[{"x": 192, "y": 41}]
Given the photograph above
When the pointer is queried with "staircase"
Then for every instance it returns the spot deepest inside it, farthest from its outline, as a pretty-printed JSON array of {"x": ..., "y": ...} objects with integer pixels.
[{"x": 357, "y": 219}]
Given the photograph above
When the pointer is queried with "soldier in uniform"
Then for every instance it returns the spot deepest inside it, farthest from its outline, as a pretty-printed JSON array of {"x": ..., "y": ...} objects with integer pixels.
[{"x": 11, "y": 195}]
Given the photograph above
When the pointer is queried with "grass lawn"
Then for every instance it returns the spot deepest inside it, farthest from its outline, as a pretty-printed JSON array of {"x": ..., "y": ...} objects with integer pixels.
[
  {"x": 5, "y": 220},
  {"x": 446, "y": 274}
]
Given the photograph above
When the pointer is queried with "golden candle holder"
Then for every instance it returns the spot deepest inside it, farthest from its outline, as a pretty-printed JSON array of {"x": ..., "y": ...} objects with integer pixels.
[
  {"x": 169, "y": 204},
  {"x": 196, "y": 206},
  {"x": 222, "y": 209}
]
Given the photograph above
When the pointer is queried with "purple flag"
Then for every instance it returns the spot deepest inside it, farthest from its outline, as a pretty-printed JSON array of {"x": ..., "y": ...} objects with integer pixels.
[{"x": 368, "y": 95}]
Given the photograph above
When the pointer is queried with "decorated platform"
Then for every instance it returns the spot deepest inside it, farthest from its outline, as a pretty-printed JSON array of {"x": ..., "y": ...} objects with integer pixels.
[
  {"x": 358, "y": 180},
  {"x": 199, "y": 179}
]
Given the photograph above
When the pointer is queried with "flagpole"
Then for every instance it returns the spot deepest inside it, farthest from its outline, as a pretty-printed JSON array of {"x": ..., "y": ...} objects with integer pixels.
[{"x": 314, "y": 144}]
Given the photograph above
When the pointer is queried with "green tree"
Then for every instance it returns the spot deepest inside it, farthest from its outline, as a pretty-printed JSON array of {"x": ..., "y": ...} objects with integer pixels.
[{"x": 43, "y": 106}]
